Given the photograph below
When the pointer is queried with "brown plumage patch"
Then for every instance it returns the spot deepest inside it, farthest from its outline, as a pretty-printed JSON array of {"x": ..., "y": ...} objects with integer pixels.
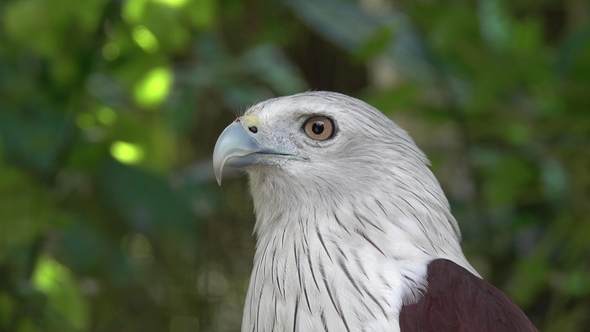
[{"x": 456, "y": 300}]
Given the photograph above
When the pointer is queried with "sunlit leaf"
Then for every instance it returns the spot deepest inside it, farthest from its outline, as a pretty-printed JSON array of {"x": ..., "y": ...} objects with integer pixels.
[
  {"x": 105, "y": 115},
  {"x": 65, "y": 298},
  {"x": 36, "y": 33},
  {"x": 133, "y": 9},
  {"x": 127, "y": 153},
  {"x": 145, "y": 39},
  {"x": 203, "y": 13},
  {"x": 174, "y": 3},
  {"x": 111, "y": 51},
  {"x": 154, "y": 88},
  {"x": 85, "y": 120}
]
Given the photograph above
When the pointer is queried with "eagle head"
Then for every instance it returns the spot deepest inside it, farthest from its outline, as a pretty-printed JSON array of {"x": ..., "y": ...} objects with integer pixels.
[{"x": 348, "y": 214}]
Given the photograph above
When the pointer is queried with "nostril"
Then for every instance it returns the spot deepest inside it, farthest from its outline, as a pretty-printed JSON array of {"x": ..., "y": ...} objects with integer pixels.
[{"x": 253, "y": 129}]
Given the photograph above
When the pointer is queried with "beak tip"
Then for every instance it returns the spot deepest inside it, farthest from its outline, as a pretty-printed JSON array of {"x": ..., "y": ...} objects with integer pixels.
[{"x": 218, "y": 174}]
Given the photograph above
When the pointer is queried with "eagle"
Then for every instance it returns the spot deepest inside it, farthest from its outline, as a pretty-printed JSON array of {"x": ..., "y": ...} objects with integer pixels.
[{"x": 354, "y": 232}]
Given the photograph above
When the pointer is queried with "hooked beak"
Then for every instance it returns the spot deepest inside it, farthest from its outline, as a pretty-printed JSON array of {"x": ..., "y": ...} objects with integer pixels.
[{"x": 239, "y": 146}]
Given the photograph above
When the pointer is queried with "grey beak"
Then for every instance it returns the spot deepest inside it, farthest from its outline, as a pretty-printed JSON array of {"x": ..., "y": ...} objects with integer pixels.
[
  {"x": 237, "y": 147},
  {"x": 231, "y": 147}
]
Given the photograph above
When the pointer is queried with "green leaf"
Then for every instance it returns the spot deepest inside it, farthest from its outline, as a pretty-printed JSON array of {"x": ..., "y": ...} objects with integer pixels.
[
  {"x": 375, "y": 45},
  {"x": 507, "y": 178},
  {"x": 399, "y": 98},
  {"x": 145, "y": 201},
  {"x": 27, "y": 210},
  {"x": 34, "y": 140},
  {"x": 496, "y": 24},
  {"x": 270, "y": 64},
  {"x": 65, "y": 298},
  {"x": 528, "y": 280},
  {"x": 576, "y": 283}
]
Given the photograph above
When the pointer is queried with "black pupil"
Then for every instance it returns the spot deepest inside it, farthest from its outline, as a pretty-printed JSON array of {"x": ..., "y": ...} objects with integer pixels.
[{"x": 317, "y": 127}]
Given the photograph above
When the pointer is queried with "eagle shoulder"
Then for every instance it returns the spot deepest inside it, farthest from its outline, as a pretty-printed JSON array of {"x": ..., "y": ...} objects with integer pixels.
[{"x": 457, "y": 300}]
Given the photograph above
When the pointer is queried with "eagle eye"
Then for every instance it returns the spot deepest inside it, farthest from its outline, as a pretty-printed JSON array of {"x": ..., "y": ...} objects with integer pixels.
[{"x": 319, "y": 128}]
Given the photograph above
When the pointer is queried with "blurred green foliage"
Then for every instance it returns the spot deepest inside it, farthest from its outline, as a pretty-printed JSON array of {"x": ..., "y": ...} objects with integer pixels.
[{"x": 109, "y": 216}]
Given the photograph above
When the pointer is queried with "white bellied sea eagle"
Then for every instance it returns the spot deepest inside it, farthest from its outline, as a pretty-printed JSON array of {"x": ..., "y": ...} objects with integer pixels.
[{"x": 353, "y": 230}]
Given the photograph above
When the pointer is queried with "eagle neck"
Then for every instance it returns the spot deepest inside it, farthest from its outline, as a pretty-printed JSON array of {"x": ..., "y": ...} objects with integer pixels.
[{"x": 319, "y": 250}]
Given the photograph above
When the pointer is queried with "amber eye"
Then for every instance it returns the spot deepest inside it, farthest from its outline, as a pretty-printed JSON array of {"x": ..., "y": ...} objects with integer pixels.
[{"x": 319, "y": 128}]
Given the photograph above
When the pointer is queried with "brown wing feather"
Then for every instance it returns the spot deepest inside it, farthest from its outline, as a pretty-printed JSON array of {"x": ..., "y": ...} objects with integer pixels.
[{"x": 456, "y": 300}]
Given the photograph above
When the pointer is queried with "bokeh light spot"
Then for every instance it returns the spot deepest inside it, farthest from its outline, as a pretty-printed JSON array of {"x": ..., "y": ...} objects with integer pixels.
[
  {"x": 127, "y": 153},
  {"x": 85, "y": 121},
  {"x": 145, "y": 39},
  {"x": 154, "y": 88},
  {"x": 212, "y": 284},
  {"x": 59, "y": 285},
  {"x": 107, "y": 116},
  {"x": 203, "y": 13},
  {"x": 133, "y": 9},
  {"x": 173, "y": 3},
  {"x": 110, "y": 51},
  {"x": 140, "y": 250},
  {"x": 49, "y": 275}
]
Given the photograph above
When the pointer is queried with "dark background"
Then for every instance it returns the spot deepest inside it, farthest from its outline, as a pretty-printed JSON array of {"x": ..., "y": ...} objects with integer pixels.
[{"x": 110, "y": 219}]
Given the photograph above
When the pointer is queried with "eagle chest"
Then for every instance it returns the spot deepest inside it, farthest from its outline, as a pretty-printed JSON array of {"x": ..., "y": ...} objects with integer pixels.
[{"x": 307, "y": 282}]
